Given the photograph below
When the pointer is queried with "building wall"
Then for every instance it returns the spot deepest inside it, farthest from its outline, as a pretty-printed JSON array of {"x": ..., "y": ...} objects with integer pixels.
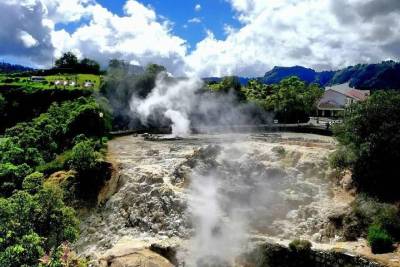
[{"x": 331, "y": 95}]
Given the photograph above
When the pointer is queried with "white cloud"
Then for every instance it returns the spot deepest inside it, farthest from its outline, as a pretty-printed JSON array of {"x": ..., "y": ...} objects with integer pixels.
[
  {"x": 313, "y": 33},
  {"x": 137, "y": 37},
  {"x": 194, "y": 20},
  {"x": 65, "y": 11},
  {"x": 23, "y": 33},
  {"x": 197, "y": 7},
  {"x": 27, "y": 39},
  {"x": 319, "y": 34}
]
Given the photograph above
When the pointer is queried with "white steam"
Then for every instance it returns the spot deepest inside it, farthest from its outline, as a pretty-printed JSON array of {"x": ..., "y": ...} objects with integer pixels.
[
  {"x": 218, "y": 236},
  {"x": 185, "y": 103},
  {"x": 173, "y": 99}
]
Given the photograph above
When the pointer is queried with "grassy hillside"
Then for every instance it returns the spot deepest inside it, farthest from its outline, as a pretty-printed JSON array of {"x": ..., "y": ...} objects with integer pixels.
[{"x": 49, "y": 83}]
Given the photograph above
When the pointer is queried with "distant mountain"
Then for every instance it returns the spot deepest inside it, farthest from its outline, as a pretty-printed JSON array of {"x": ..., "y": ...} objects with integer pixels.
[
  {"x": 277, "y": 74},
  {"x": 7, "y": 68},
  {"x": 385, "y": 75}
]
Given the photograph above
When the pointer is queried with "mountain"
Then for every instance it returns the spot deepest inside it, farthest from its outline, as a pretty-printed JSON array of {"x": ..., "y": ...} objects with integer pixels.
[
  {"x": 385, "y": 75},
  {"x": 7, "y": 68},
  {"x": 308, "y": 75}
]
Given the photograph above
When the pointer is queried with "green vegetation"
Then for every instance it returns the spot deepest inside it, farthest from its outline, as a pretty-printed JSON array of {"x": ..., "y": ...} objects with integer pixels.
[
  {"x": 292, "y": 100},
  {"x": 300, "y": 246},
  {"x": 379, "y": 240},
  {"x": 370, "y": 140},
  {"x": 369, "y": 147},
  {"x": 69, "y": 63},
  {"x": 34, "y": 219},
  {"x": 230, "y": 84},
  {"x": 73, "y": 81}
]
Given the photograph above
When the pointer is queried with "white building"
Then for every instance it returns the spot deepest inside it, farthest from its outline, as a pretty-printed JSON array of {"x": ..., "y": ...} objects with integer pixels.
[{"x": 337, "y": 98}]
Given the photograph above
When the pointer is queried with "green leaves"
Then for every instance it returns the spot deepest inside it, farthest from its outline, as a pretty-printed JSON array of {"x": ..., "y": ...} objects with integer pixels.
[
  {"x": 292, "y": 100},
  {"x": 371, "y": 132}
]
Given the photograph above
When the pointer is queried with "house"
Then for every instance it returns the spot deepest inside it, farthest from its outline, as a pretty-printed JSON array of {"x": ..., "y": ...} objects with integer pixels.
[
  {"x": 88, "y": 84},
  {"x": 37, "y": 79},
  {"x": 337, "y": 98}
]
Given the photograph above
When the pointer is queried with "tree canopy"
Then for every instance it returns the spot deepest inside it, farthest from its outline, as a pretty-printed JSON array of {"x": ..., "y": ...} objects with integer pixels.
[
  {"x": 292, "y": 100},
  {"x": 370, "y": 136},
  {"x": 70, "y": 63}
]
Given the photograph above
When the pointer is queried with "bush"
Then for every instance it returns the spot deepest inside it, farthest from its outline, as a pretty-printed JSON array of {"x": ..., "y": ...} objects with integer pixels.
[
  {"x": 11, "y": 177},
  {"x": 367, "y": 211},
  {"x": 58, "y": 164},
  {"x": 379, "y": 240},
  {"x": 371, "y": 131},
  {"x": 83, "y": 157},
  {"x": 25, "y": 253},
  {"x": 300, "y": 246},
  {"x": 341, "y": 159},
  {"x": 33, "y": 182}
]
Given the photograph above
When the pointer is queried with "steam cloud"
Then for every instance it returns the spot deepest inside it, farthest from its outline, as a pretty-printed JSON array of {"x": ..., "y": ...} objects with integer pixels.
[
  {"x": 216, "y": 241},
  {"x": 173, "y": 99},
  {"x": 185, "y": 103}
]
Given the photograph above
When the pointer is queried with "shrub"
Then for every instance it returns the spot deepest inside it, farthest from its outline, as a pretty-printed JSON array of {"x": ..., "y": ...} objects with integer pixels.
[
  {"x": 58, "y": 164},
  {"x": 371, "y": 131},
  {"x": 341, "y": 159},
  {"x": 83, "y": 157},
  {"x": 300, "y": 246},
  {"x": 11, "y": 177},
  {"x": 33, "y": 182},
  {"x": 62, "y": 256},
  {"x": 379, "y": 240},
  {"x": 25, "y": 253}
]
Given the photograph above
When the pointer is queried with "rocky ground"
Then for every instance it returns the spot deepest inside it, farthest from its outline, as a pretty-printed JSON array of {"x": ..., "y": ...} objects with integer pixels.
[{"x": 280, "y": 183}]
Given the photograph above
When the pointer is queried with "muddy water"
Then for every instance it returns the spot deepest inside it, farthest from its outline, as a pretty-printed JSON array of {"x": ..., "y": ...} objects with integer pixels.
[{"x": 280, "y": 183}]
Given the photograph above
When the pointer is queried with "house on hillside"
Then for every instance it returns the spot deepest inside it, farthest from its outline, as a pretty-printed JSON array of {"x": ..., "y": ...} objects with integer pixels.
[{"x": 337, "y": 98}]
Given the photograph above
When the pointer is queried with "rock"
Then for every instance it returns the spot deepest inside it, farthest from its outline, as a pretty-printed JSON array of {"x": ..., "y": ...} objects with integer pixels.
[
  {"x": 347, "y": 182},
  {"x": 142, "y": 258},
  {"x": 132, "y": 253}
]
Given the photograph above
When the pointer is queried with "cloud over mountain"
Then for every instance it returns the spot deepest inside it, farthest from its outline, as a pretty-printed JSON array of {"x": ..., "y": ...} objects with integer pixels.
[{"x": 318, "y": 34}]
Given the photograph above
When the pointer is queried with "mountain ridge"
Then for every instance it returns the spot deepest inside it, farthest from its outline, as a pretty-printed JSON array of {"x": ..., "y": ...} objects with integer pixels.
[{"x": 384, "y": 75}]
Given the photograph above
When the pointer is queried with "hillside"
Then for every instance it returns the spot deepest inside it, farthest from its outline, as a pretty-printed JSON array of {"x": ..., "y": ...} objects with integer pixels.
[
  {"x": 385, "y": 75},
  {"x": 9, "y": 68}
]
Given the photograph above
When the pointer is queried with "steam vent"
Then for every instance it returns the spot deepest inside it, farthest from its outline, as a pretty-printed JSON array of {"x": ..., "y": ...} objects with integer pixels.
[{"x": 220, "y": 200}]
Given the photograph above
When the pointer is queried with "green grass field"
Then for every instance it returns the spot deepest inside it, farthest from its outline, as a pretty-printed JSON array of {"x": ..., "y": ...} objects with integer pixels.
[{"x": 49, "y": 83}]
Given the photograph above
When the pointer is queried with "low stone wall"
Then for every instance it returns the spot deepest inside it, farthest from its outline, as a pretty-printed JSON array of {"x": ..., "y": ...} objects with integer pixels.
[{"x": 275, "y": 255}]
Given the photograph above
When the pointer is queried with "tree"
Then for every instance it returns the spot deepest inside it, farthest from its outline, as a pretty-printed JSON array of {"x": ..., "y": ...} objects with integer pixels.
[
  {"x": 229, "y": 84},
  {"x": 292, "y": 99},
  {"x": 87, "y": 65},
  {"x": 67, "y": 61},
  {"x": 83, "y": 157},
  {"x": 371, "y": 132}
]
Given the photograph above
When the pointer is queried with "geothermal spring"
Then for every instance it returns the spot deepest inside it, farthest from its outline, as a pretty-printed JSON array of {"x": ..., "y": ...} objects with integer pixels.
[{"x": 206, "y": 199}]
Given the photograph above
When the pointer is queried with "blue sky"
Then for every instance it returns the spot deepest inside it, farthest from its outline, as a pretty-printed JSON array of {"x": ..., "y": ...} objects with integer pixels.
[
  {"x": 215, "y": 15},
  {"x": 322, "y": 35}
]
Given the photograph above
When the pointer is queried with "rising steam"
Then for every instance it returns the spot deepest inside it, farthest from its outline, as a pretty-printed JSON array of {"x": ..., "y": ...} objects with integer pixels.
[
  {"x": 171, "y": 98},
  {"x": 187, "y": 104}
]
